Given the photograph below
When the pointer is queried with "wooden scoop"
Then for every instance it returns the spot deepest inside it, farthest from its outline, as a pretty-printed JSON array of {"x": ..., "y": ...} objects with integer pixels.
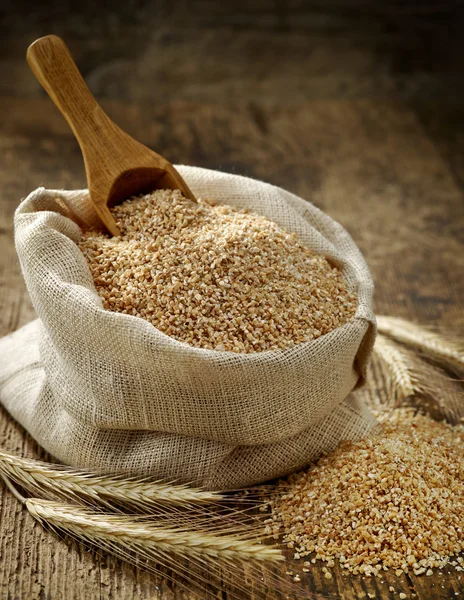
[{"x": 117, "y": 166}]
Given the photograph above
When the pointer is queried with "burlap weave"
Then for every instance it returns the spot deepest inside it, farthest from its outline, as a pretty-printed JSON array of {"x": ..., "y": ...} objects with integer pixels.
[{"x": 106, "y": 390}]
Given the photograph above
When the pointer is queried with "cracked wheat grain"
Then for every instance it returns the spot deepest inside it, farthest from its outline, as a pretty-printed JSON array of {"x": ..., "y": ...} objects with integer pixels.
[
  {"x": 215, "y": 277},
  {"x": 392, "y": 501}
]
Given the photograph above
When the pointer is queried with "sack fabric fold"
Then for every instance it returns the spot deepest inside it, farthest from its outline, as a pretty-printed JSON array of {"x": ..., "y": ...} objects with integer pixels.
[{"x": 109, "y": 391}]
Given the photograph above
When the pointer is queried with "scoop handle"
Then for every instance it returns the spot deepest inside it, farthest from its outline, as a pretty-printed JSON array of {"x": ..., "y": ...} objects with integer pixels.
[
  {"x": 52, "y": 64},
  {"x": 54, "y": 67}
]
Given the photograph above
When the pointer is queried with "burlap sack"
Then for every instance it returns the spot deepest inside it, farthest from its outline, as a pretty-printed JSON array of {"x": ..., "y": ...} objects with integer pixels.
[{"x": 106, "y": 390}]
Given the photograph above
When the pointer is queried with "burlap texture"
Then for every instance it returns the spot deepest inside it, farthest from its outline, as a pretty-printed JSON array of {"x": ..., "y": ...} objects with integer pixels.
[{"x": 107, "y": 390}]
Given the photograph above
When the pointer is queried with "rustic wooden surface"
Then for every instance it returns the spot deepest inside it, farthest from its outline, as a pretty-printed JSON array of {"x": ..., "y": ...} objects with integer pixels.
[{"x": 356, "y": 107}]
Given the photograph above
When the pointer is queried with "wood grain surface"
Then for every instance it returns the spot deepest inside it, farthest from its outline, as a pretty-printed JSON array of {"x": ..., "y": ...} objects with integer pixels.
[{"x": 357, "y": 108}]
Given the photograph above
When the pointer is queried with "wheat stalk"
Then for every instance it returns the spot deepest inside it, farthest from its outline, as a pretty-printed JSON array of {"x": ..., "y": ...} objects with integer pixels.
[
  {"x": 200, "y": 509},
  {"x": 445, "y": 351},
  {"x": 149, "y": 536},
  {"x": 435, "y": 388},
  {"x": 408, "y": 375},
  {"x": 69, "y": 483},
  {"x": 196, "y": 556},
  {"x": 397, "y": 370}
]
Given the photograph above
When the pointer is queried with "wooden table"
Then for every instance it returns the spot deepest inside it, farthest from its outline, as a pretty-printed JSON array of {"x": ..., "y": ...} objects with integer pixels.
[{"x": 362, "y": 119}]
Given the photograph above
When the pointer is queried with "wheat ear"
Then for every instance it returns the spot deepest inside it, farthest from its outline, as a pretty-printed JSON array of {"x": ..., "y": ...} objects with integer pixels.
[
  {"x": 445, "y": 351},
  {"x": 65, "y": 482},
  {"x": 396, "y": 369},
  {"x": 408, "y": 375},
  {"x": 192, "y": 557},
  {"x": 436, "y": 390},
  {"x": 147, "y": 536}
]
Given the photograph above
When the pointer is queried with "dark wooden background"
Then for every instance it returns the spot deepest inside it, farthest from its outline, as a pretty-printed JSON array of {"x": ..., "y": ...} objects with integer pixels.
[{"x": 356, "y": 106}]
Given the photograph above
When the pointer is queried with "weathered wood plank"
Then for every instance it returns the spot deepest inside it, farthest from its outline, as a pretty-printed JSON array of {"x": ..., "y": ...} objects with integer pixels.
[{"x": 295, "y": 49}]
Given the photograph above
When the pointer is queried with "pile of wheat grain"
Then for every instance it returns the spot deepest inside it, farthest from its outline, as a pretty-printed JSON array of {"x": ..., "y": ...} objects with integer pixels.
[
  {"x": 215, "y": 277},
  {"x": 392, "y": 501}
]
